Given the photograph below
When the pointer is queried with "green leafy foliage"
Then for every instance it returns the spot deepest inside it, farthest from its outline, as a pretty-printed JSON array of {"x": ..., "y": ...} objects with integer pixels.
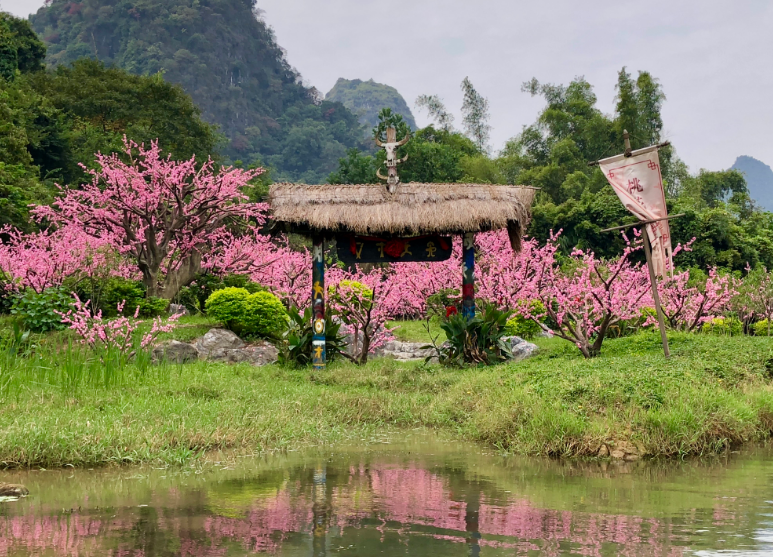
[
  {"x": 475, "y": 341},
  {"x": 439, "y": 302},
  {"x": 38, "y": 311},
  {"x": 194, "y": 296},
  {"x": 226, "y": 58},
  {"x": 726, "y": 326},
  {"x": 20, "y": 48},
  {"x": 761, "y": 328},
  {"x": 518, "y": 326},
  {"x": 259, "y": 314},
  {"x": 295, "y": 344}
]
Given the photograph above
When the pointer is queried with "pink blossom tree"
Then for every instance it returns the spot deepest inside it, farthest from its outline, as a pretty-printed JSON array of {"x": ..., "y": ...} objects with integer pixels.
[
  {"x": 687, "y": 307},
  {"x": 164, "y": 215},
  {"x": 589, "y": 297}
]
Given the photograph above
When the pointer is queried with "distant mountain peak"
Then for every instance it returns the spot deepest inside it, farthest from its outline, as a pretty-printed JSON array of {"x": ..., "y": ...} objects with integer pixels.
[
  {"x": 367, "y": 98},
  {"x": 759, "y": 179}
]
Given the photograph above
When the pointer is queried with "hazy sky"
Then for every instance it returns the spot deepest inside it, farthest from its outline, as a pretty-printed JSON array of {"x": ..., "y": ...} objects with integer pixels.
[{"x": 709, "y": 56}]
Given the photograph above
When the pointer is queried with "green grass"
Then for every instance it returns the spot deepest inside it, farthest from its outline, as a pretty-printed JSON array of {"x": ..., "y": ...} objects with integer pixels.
[
  {"x": 415, "y": 331},
  {"x": 714, "y": 393}
]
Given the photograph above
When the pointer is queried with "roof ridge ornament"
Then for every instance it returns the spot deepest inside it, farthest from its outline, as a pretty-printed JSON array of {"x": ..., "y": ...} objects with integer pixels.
[{"x": 391, "y": 162}]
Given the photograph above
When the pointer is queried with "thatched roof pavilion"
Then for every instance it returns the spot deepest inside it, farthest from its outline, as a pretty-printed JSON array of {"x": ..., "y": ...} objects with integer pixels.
[{"x": 413, "y": 209}]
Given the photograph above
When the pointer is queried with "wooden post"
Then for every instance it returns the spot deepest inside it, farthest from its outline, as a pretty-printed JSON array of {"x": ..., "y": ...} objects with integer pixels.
[
  {"x": 318, "y": 355},
  {"x": 655, "y": 295},
  {"x": 627, "y": 142},
  {"x": 468, "y": 275}
]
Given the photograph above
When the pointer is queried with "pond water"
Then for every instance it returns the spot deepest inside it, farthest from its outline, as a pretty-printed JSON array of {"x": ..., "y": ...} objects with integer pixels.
[{"x": 419, "y": 496}]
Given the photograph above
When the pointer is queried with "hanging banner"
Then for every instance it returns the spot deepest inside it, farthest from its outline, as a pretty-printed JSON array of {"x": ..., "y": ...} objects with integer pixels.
[{"x": 639, "y": 185}]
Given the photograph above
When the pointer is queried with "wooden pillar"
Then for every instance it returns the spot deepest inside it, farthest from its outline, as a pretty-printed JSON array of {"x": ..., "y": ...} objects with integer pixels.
[
  {"x": 318, "y": 356},
  {"x": 468, "y": 275}
]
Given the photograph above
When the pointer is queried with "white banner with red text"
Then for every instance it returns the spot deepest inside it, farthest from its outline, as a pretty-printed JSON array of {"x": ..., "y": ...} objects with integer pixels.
[{"x": 639, "y": 185}]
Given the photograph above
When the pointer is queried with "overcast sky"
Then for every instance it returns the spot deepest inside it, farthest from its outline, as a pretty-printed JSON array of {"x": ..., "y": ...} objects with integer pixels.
[{"x": 712, "y": 57}]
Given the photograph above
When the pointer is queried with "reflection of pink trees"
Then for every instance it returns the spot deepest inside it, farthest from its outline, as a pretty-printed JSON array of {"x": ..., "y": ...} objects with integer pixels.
[
  {"x": 398, "y": 498},
  {"x": 257, "y": 532}
]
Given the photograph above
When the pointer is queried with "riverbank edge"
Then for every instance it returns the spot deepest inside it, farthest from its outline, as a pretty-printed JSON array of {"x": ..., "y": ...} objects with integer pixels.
[{"x": 713, "y": 395}]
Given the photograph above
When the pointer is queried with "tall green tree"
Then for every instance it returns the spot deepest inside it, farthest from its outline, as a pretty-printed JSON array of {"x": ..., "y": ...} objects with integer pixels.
[
  {"x": 437, "y": 111},
  {"x": 20, "y": 48},
  {"x": 475, "y": 115}
]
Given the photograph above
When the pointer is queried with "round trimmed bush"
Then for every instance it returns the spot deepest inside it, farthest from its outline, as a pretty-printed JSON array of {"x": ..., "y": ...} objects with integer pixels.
[
  {"x": 228, "y": 305},
  {"x": 265, "y": 315},
  {"x": 258, "y": 314}
]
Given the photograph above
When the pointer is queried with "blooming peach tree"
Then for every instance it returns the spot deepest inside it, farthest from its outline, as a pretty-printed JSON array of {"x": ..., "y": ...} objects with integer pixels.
[{"x": 164, "y": 215}]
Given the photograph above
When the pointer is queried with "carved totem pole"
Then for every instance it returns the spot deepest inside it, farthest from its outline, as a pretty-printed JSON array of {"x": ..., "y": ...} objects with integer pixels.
[{"x": 392, "y": 161}]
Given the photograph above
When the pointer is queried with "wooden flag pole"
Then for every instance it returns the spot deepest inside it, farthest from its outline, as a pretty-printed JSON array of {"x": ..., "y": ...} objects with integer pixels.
[
  {"x": 648, "y": 253},
  {"x": 655, "y": 295}
]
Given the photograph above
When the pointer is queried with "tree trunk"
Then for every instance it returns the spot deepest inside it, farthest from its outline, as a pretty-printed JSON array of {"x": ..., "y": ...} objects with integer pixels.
[{"x": 182, "y": 276}]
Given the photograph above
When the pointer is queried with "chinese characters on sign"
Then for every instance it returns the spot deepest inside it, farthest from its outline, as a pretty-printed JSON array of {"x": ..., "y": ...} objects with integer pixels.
[{"x": 363, "y": 249}]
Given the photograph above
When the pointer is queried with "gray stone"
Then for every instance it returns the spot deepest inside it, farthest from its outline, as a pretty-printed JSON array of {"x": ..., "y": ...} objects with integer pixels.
[
  {"x": 218, "y": 339},
  {"x": 176, "y": 352},
  {"x": 259, "y": 354},
  {"x": 178, "y": 309},
  {"x": 520, "y": 348},
  {"x": 405, "y": 351}
]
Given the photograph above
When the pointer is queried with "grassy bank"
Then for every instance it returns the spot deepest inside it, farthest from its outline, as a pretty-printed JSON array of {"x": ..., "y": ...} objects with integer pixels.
[{"x": 714, "y": 393}]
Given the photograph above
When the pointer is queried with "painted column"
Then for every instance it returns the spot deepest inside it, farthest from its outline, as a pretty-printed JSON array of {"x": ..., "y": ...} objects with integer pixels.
[
  {"x": 318, "y": 356},
  {"x": 468, "y": 275}
]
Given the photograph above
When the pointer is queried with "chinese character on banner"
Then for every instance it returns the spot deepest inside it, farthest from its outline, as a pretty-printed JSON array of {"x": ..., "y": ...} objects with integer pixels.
[{"x": 639, "y": 185}]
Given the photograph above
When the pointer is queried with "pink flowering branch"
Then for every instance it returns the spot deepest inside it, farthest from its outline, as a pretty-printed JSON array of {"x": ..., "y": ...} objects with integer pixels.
[{"x": 115, "y": 334}]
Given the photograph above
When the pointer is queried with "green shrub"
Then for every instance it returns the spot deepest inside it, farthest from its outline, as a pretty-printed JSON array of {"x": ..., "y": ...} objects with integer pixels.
[
  {"x": 259, "y": 314},
  {"x": 194, "y": 296},
  {"x": 151, "y": 307},
  {"x": 438, "y": 302},
  {"x": 107, "y": 294},
  {"x": 475, "y": 341},
  {"x": 723, "y": 326},
  {"x": 525, "y": 328},
  {"x": 38, "y": 312},
  {"x": 760, "y": 328},
  {"x": 351, "y": 291}
]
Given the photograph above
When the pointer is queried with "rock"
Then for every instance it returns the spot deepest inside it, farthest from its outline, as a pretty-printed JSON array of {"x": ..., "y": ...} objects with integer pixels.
[
  {"x": 624, "y": 450},
  {"x": 405, "y": 351},
  {"x": 218, "y": 339},
  {"x": 521, "y": 349},
  {"x": 176, "y": 352},
  {"x": 178, "y": 309},
  {"x": 13, "y": 490},
  {"x": 258, "y": 354}
]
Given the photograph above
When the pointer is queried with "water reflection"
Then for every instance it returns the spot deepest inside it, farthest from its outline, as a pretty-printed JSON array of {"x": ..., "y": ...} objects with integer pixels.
[{"x": 422, "y": 497}]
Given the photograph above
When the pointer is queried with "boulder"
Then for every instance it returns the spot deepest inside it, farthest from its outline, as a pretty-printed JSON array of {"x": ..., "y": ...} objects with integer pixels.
[
  {"x": 216, "y": 340},
  {"x": 176, "y": 352},
  {"x": 405, "y": 351},
  {"x": 13, "y": 490},
  {"x": 520, "y": 348},
  {"x": 177, "y": 309},
  {"x": 259, "y": 354}
]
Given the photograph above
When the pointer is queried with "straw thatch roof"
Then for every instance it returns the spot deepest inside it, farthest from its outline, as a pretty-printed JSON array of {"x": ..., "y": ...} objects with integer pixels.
[{"x": 414, "y": 209}]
